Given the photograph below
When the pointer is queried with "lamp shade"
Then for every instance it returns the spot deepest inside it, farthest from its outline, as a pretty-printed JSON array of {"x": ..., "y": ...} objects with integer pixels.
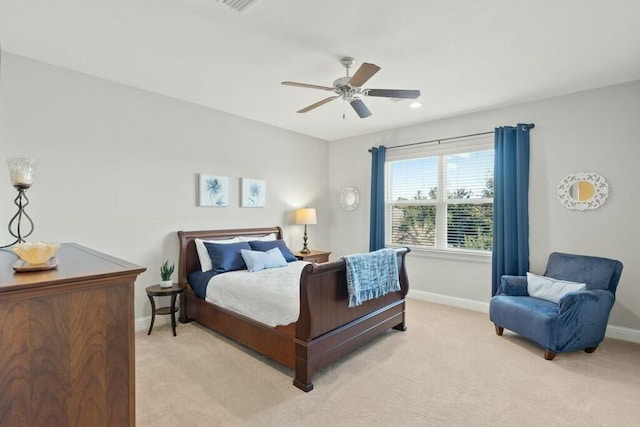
[{"x": 306, "y": 216}]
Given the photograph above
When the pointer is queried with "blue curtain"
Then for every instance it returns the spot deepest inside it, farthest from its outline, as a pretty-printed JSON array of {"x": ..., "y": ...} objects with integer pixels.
[
  {"x": 510, "y": 203},
  {"x": 376, "y": 230}
]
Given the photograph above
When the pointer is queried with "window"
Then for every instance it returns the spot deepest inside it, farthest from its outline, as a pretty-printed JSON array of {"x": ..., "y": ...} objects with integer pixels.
[{"x": 441, "y": 198}]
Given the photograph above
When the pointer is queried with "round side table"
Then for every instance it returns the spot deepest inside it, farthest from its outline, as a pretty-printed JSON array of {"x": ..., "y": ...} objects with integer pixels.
[{"x": 157, "y": 291}]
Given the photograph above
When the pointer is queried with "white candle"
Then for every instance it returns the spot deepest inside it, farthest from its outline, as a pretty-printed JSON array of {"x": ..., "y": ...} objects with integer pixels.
[
  {"x": 21, "y": 177},
  {"x": 21, "y": 171}
]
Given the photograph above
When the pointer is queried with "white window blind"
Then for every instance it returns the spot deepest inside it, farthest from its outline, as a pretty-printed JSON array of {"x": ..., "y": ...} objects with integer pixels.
[{"x": 441, "y": 198}]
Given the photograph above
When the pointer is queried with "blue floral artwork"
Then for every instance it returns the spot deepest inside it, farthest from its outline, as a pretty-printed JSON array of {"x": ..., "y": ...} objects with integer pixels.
[
  {"x": 214, "y": 190},
  {"x": 254, "y": 193}
]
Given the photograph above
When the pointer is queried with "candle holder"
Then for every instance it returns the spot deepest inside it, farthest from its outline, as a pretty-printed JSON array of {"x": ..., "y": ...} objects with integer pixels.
[{"x": 21, "y": 174}]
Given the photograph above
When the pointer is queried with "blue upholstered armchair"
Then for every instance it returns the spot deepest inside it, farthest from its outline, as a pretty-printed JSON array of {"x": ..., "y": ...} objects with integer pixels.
[{"x": 577, "y": 321}]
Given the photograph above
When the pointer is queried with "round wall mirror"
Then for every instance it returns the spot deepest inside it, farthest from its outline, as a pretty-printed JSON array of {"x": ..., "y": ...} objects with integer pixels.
[
  {"x": 349, "y": 198},
  {"x": 583, "y": 190}
]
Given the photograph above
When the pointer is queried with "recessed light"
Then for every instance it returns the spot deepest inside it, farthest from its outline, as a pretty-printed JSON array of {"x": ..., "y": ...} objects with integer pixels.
[{"x": 415, "y": 104}]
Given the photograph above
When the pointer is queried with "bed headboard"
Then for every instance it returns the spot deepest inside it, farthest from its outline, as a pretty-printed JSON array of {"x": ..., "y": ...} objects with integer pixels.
[{"x": 189, "y": 257}]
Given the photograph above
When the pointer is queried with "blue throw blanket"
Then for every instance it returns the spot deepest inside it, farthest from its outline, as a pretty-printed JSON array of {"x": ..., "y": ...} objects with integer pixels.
[{"x": 371, "y": 275}]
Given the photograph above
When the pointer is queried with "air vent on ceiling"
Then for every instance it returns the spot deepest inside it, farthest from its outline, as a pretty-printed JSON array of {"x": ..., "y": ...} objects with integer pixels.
[{"x": 239, "y": 5}]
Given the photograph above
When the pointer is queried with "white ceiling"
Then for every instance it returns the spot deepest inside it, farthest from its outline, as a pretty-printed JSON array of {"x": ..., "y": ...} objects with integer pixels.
[{"x": 463, "y": 55}]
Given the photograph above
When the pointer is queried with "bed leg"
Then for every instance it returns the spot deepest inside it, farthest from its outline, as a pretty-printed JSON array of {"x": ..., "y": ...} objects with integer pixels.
[
  {"x": 302, "y": 386},
  {"x": 183, "y": 318},
  {"x": 400, "y": 327},
  {"x": 302, "y": 379}
]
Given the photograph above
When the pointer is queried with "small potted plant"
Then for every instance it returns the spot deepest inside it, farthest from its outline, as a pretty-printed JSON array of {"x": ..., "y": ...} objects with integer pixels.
[{"x": 166, "y": 271}]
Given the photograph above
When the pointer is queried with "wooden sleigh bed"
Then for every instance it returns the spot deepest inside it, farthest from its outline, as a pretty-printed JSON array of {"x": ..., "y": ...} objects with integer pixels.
[{"x": 326, "y": 328}]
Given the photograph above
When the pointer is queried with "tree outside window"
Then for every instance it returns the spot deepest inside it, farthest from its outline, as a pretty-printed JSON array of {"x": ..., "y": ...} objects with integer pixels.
[{"x": 460, "y": 217}]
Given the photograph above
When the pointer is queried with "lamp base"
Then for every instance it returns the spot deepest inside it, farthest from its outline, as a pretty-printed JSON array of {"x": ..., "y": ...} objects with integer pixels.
[{"x": 305, "y": 249}]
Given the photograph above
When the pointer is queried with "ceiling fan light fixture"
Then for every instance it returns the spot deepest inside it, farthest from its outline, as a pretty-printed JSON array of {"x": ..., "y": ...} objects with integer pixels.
[{"x": 361, "y": 110}]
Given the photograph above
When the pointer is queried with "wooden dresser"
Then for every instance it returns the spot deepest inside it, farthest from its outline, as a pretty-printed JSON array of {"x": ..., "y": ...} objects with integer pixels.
[{"x": 67, "y": 341}]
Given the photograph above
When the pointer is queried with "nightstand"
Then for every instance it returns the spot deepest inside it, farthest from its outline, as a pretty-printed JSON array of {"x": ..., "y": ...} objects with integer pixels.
[
  {"x": 157, "y": 291},
  {"x": 313, "y": 256}
]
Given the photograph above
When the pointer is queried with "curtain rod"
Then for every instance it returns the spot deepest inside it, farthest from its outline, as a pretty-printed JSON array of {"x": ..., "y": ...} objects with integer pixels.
[{"x": 528, "y": 126}]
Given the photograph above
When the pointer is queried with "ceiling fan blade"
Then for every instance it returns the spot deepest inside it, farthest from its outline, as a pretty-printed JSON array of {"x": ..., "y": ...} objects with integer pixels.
[
  {"x": 364, "y": 73},
  {"x": 393, "y": 93},
  {"x": 307, "y": 85},
  {"x": 360, "y": 108},
  {"x": 317, "y": 104}
]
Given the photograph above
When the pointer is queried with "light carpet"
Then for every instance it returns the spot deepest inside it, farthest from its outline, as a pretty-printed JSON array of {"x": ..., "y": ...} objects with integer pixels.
[{"x": 448, "y": 369}]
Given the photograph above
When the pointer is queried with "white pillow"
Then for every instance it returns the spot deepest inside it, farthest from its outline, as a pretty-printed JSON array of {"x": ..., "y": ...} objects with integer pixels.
[
  {"x": 258, "y": 260},
  {"x": 203, "y": 253},
  {"x": 267, "y": 238},
  {"x": 550, "y": 289}
]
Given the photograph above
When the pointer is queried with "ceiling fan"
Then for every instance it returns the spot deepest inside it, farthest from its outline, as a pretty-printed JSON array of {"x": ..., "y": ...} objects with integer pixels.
[{"x": 349, "y": 88}]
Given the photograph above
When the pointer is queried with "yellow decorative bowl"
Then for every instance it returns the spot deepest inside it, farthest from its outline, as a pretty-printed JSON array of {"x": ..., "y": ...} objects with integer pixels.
[{"x": 36, "y": 252}]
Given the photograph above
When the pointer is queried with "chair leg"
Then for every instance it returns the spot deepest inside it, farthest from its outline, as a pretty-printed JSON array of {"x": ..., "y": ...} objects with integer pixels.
[
  {"x": 549, "y": 355},
  {"x": 499, "y": 330},
  {"x": 590, "y": 349}
]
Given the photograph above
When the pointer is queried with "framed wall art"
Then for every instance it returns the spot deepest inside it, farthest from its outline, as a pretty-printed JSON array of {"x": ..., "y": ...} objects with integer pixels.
[
  {"x": 214, "y": 190},
  {"x": 254, "y": 193}
]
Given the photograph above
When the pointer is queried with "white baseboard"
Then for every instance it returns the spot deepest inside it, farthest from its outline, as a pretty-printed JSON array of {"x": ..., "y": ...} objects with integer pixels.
[
  {"x": 616, "y": 332},
  {"x": 467, "y": 304},
  {"x": 622, "y": 333},
  {"x": 142, "y": 323}
]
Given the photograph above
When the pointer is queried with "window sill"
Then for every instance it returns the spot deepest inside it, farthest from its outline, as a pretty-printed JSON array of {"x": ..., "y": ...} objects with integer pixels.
[{"x": 448, "y": 254}]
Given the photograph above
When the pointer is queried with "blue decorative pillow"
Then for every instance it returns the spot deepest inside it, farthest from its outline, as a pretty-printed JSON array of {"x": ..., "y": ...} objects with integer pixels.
[
  {"x": 280, "y": 244},
  {"x": 227, "y": 257},
  {"x": 257, "y": 260}
]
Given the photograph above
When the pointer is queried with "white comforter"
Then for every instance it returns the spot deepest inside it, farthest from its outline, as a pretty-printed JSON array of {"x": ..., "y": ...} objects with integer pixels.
[{"x": 269, "y": 296}]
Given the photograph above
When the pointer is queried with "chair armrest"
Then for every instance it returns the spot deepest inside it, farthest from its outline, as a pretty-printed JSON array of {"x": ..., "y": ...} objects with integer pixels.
[
  {"x": 515, "y": 286},
  {"x": 598, "y": 299}
]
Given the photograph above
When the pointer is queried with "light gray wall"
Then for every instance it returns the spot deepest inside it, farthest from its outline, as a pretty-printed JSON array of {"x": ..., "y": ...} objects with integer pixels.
[
  {"x": 118, "y": 166},
  {"x": 587, "y": 131}
]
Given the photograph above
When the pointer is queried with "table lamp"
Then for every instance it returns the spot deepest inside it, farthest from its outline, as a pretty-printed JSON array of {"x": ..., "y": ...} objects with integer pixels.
[{"x": 306, "y": 216}]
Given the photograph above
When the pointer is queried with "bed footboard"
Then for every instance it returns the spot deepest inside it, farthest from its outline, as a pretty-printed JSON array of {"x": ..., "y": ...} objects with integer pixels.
[{"x": 328, "y": 329}]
